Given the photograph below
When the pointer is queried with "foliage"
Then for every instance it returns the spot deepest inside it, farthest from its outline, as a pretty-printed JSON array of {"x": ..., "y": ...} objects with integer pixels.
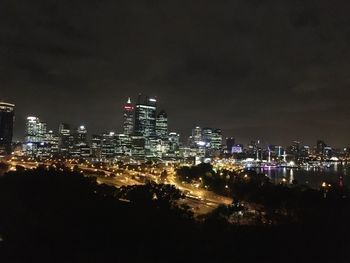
[{"x": 62, "y": 216}]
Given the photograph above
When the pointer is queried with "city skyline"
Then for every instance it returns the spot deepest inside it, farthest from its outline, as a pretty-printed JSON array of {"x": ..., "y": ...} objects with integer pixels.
[
  {"x": 260, "y": 70},
  {"x": 18, "y": 135},
  {"x": 174, "y": 130}
]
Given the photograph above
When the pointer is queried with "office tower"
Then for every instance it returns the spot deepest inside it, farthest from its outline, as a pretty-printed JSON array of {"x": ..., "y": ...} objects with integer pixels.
[
  {"x": 64, "y": 142},
  {"x": 294, "y": 149},
  {"x": 320, "y": 147},
  {"x": 145, "y": 116},
  {"x": 123, "y": 145},
  {"x": 81, "y": 135},
  {"x": 108, "y": 145},
  {"x": 196, "y": 135},
  {"x": 174, "y": 142},
  {"x": 230, "y": 142},
  {"x": 51, "y": 142},
  {"x": 162, "y": 125},
  {"x": 137, "y": 146},
  {"x": 328, "y": 152},
  {"x": 81, "y": 148},
  {"x": 96, "y": 142},
  {"x": 35, "y": 130},
  {"x": 305, "y": 151},
  {"x": 207, "y": 136},
  {"x": 216, "y": 140},
  {"x": 6, "y": 126},
  {"x": 128, "y": 125},
  {"x": 35, "y": 136}
]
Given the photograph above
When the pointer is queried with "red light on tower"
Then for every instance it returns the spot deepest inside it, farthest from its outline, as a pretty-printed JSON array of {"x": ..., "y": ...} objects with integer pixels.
[{"x": 128, "y": 106}]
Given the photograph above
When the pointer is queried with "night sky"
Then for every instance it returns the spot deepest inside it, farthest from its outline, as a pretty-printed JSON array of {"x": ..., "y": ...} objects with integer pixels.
[{"x": 275, "y": 70}]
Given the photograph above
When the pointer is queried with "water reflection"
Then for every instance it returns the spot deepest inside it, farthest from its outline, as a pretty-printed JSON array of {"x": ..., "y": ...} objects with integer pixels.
[{"x": 312, "y": 176}]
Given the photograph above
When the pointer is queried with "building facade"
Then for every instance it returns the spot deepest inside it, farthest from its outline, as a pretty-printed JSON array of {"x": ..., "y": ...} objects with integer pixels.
[
  {"x": 128, "y": 114},
  {"x": 7, "y": 116}
]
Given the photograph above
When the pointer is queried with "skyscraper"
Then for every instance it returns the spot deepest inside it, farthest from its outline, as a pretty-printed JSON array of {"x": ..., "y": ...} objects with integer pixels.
[
  {"x": 213, "y": 139},
  {"x": 123, "y": 144},
  {"x": 51, "y": 141},
  {"x": 207, "y": 136},
  {"x": 320, "y": 146},
  {"x": 128, "y": 125},
  {"x": 196, "y": 135},
  {"x": 35, "y": 137},
  {"x": 145, "y": 116},
  {"x": 64, "y": 142},
  {"x": 162, "y": 125},
  {"x": 35, "y": 130},
  {"x": 6, "y": 126},
  {"x": 174, "y": 142},
  {"x": 96, "y": 146},
  {"x": 81, "y": 147},
  {"x": 216, "y": 140},
  {"x": 230, "y": 142},
  {"x": 137, "y": 146},
  {"x": 108, "y": 146}
]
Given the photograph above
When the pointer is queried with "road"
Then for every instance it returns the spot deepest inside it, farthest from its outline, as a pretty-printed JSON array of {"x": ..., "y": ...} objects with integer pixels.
[{"x": 201, "y": 201}]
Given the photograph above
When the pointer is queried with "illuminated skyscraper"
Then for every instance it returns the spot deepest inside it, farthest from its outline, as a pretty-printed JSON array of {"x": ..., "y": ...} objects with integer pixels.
[
  {"x": 35, "y": 130},
  {"x": 64, "y": 141},
  {"x": 108, "y": 146},
  {"x": 196, "y": 135},
  {"x": 81, "y": 147},
  {"x": 123, "y": 144},
  {"x": 162, "y": 125},
  {"x": 174, "y": 142},
  {"x": 35, "y": 137},
  {"x": 207, "y": 136},
  {"x": 128, "y": 125},
  {"x": 216, "y": 140},
  {"x": 6, "y": 126},
  {"x": 51, "y": 142},
  {"x": 96, "y": 147},
  {"x": 137, "y": 146},
  {"x": 145, "y": 116}
]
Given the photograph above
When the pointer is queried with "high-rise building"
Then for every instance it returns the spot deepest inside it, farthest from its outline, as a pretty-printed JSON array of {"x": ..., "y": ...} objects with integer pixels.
[
  {"x": 137, "y": 146},
  {"x": 51, "y": 142},
  {"x": 216, "y": 140},
  {"x": 81, "y": 148},
  {"x": 35, "y": 130},
  {"x": 35, "y": 136},
  {"x": 196, "y": 135},
  {"x": 64, "y": 139},
  {"x": 128, "y": 125},
  {"x": 123, "y": 144},
  {"x": 321, "y": 145},
  {"x": 6, "y": 126},
  {"x": 230, "y": 142},
  {"x": 162, "y": 125},
  {"x": 145, "y": 116},
  {"x": 108, "y": 144},
  {"x": 212, "y": 139},
  {"x": 207, "y": 135},
  {"x": 174, "y": 142},
  {"x": 96, "y": 145}
]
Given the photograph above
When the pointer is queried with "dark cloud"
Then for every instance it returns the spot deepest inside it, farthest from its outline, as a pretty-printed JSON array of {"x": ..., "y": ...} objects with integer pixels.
[{"x": 276, "y": 70}]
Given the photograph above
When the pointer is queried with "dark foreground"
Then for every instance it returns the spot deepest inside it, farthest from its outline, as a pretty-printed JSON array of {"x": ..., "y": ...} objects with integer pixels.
[{"x": 50, "y": 216}]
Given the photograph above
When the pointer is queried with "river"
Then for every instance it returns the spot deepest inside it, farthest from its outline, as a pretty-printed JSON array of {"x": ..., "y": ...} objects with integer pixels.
[{"x": 312, "y": 177}]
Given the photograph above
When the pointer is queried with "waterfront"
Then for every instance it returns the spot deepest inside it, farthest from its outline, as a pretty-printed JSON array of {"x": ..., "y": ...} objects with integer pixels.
[{"x": 312, "y": 177}]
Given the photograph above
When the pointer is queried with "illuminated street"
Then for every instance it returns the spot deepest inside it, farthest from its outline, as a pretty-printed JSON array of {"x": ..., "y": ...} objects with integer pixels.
[{"x": 200, "y": 201}]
